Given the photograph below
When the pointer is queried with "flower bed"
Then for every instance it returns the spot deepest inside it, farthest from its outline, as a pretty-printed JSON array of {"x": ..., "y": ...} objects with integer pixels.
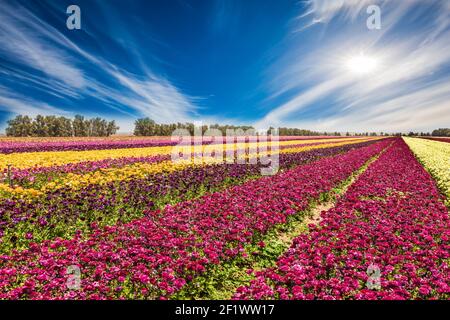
[
  {"x": 51, "y": 180},
  {"x": 21, "y": 145},
  {"x": 155, "y": 256},
  {"x": 387, "y": 238},
  {"x": 37, "y": 175},
  {"x": 62, "y": 212}
]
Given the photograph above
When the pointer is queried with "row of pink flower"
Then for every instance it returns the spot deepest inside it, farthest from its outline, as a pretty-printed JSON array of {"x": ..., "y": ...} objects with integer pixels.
[
  {"x": 28, "y": 175},
  {"x": 11, "y": 146},
  {"x": 156, "y": 255},
  {"x": 392, "y": 220},
  {"x": 19, "y": 147}
]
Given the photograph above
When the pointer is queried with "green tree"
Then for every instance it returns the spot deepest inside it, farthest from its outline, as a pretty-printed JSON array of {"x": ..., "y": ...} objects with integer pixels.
[
  {"x": 80, "y": 126},
  {"x": 40, "y": 127},
  {"x": 111, "y": 128},
  {"x": 20, "y": 126},
  {"x": 441, "y": 132},
  {"x": 53, "y": 126}
]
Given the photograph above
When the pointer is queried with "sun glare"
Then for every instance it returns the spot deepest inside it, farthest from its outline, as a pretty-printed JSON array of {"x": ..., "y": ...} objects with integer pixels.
[{"x": 361, "y": 64}]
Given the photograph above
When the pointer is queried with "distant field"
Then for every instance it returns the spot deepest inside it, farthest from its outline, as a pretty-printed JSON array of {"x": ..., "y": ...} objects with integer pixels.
[{"x": 441, "y": 139}]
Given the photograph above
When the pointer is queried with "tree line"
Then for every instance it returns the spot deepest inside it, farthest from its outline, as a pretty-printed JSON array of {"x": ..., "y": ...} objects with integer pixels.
[
  {"x": 79, "y": 126},
  {"x": 442, "y": 132},
  {"x": 148, "y": 127},
  {"x": 282, "y": 131},
  {"x": 54, "y": 126}
]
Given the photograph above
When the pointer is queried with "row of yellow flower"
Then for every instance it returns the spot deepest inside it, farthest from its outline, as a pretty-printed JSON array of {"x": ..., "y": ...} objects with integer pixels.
[
  {"x": 47, "y": 159},
  {"x": 435, "y": 156},
  {"x": 138, "y": 170}
]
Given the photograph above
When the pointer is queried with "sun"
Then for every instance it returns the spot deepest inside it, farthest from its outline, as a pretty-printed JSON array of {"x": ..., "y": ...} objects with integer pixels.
[{"x": 361, "y": 64}]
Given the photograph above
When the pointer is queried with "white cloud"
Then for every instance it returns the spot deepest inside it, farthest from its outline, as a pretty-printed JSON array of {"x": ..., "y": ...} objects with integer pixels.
[
  {"x": 405, "y": 92},
  {"x": 419, "y": 110},
  {"x": 324, "y": 11},
  {"x": 22, "y": 43},
  {"x": 295, "y": 104},
  {"x": 27, "y": 39},
  {"x": 156, "y": 97},
  {"x": 11, "y": 102}
]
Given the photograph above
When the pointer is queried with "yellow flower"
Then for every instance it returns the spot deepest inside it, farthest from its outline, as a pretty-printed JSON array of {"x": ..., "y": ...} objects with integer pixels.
[
  {"x": 46, "y": 159},
  {"x": 142, "y": 170}
]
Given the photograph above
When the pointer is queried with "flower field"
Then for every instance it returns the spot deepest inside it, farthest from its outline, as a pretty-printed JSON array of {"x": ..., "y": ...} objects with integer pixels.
[
  {"x": 435, "y": 156},
  {"x": 138, "y": 225},
  {"x": 50, "y": 170},
  {"x": 392, "y": 218}
]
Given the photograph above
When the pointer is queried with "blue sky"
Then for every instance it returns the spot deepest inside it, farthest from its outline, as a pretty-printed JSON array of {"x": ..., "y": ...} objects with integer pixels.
[{"x": 289, "y": 63}]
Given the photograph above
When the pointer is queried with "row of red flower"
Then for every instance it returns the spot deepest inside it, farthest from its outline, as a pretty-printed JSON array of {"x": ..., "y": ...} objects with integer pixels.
[
  {"x": 7, "y": 147},
  {"x": 439, "y": 139},
  {"x": 156, "y": 255},
  {"x": 387, "y": 238}
]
